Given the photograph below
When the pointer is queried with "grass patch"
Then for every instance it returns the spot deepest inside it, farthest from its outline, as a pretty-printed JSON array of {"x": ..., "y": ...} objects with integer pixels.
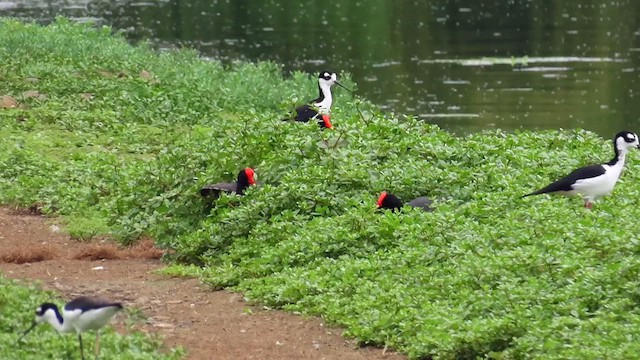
[
  {"x": 84, "y": 227},
  {"x": 181, "y": 270},
  {"x": 487, "y": 275},
  {"x": 17, "y": 310}
]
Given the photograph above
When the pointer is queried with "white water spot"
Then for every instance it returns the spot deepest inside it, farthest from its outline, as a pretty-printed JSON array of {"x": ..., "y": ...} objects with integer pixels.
[
  {"x": 554, "y": 76},
  {"x": 544, "y": 68},
  {"x": 75, "y": 7},
  {"x": 517, "y": 89},
  {"x": 231, "y": 41},
  {"x": 386, "y": 64},
  {"x": 315, "y": 61},
  {"x": 456, "y": 82},
  {"x": 6, "y": 5},
  {"x": 521, "y": 60},
  {"x": 87, "y": 19},
  {"x": 442, "y": 115}
]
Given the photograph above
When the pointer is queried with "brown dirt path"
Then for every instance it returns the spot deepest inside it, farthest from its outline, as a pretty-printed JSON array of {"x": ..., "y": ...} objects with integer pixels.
[{"x": 209, "y": 325}]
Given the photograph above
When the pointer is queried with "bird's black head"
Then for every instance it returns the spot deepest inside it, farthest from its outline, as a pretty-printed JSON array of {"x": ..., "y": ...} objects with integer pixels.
[
  {"x": 329, "y": 78},
  {"x": 40, "y": 310},
  {"x": 246, "y": 177},
  {"x": 625, "y": 140},
  {"x": 327, "y": 75},
  {"x": 389, "y": 201}
]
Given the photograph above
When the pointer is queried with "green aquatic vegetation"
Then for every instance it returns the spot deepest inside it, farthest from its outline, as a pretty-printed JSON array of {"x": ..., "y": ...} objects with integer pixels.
[
  {"x": 487, "y": 274},
  {"x": 17, "y": 311}
]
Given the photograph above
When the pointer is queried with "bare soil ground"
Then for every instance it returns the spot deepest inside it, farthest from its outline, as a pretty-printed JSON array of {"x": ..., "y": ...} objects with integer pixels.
[{"x": 208, "y": 324}]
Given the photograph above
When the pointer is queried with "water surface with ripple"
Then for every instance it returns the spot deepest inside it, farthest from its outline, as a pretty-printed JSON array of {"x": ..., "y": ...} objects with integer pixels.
[{"x": 465, "y": 65}]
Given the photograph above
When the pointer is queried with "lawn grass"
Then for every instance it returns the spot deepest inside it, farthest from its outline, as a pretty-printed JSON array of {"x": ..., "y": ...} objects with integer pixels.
[{"x": 486, "y": 275}]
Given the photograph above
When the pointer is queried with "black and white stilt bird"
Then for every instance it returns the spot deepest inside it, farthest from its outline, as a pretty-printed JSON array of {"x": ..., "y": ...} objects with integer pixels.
[
  {"x": 246, "y": 177},
  {"x": 389, "y": 201},
  {"x": 79, "y": 315},
  {"x": 320, "y": 108},
  {"x": 594, "y": 181}
]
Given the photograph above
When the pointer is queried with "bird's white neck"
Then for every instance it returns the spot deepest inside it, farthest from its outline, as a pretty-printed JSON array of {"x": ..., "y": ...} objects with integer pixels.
[
  {"x": 324, "y": 105},
  {"x": 53, "y": 318},
  {"x": 616, "y": 167}
]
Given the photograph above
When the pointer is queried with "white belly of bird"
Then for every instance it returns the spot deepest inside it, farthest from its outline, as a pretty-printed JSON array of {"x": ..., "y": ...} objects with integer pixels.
[
  {"x": 595, "y": 187},
  {"x": 90, "y": 319}
]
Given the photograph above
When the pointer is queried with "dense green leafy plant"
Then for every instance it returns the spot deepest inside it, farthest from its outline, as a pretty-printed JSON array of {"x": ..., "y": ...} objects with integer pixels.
[
  {"x": 486, "y": 275},
  {"x": 17, "y": 311}
]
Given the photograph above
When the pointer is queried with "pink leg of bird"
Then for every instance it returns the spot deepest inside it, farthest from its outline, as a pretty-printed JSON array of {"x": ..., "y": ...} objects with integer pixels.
[
  {"x": 588, "y": 204},
  {"x": 97, "y": 344},
  {"x": 327, "y": 121}
]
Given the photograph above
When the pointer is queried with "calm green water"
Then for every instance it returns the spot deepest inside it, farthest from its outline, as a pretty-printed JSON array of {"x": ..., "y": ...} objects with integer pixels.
[{"x": 465, "y": 65}]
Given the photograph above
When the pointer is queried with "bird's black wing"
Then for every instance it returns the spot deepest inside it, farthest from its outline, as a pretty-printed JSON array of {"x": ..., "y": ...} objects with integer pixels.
[
  {"x": 422, "y": 202},
  {"x": 566, "y": 183},
  {"x": 305, "y": 113},
  {"x": 214, "y": 190},
  {"x": 85, "y": 303}
]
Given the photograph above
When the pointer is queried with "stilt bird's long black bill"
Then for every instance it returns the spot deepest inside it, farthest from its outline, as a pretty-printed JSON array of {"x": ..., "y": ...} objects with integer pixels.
[
  {"x": 342, "y": 86},
  {"x": 33, "y": 325}
]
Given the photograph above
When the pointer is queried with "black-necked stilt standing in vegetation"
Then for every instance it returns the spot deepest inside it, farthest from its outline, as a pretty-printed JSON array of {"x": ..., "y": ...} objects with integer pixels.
[
  {"x": 389, "y": 201},
  {"x": 320, "y": 108},
  {"x": 246, "y": 177},
  {"x": 594, "y": 181},
  {"x": 79, "y": 315}
]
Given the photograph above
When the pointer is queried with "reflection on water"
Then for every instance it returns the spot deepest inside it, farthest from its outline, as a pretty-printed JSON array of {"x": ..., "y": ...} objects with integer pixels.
[{"x": 465, "y": 65}]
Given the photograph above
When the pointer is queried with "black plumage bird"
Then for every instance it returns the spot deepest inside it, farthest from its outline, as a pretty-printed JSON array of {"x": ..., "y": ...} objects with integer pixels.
[
  {"x": 246, "y": 178},
  {"x": 79, "y": 315},
  {"x": 389, "y": 201},
  {"x": 594, "y": 181},
  {"x": 320, "y": 108}
]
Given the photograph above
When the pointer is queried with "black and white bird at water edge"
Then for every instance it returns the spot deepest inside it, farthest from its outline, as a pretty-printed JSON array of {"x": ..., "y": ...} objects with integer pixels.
[
  {"x": 594, "y": 181},
  {"x": 320, "y": 108},
  {"x": 80, "y": 314}
]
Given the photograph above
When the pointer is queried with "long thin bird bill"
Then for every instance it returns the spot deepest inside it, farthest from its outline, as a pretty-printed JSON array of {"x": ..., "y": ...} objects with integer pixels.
[
  {"x": 33, "y": 325},
  {"x": 342, "y": 86}
]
